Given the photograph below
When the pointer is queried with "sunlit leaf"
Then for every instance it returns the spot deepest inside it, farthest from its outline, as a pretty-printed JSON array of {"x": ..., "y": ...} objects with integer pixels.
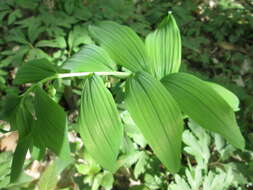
[
  {"x": 122, "y": 44},
  {"x": 227, "y": 95},
  {"x": 204, "y": 105},
  {"x": 158, "y": 116},
  {"x": 164, "y": 48},
  {"x": 90, "y": 58},
  {"x": 99, "y": 125},
  {"x": 35, "y": 71},
  {"x": 50, "y": 126}
]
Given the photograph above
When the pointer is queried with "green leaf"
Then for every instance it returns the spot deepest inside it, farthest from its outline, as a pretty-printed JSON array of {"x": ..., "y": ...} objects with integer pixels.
[
  {"x": 158, "y": 116},
  {"x": 35, "y": 71},
  {"x": 50, "y": 127},
  {"x": 19, "y": 157},
  {"x": 10, "y": 106},
  {"x": 79, "y": 35},
  {"x": 58, "y": 42},
  {"x": 227, "y": 95},
  {"x": 122, "y": 44},
  {"x": 90, "y": 58},
  {"x": 205, "y": 106},
  {"x": 164, "y": 48},
  {"x": 99, "y": 125}
]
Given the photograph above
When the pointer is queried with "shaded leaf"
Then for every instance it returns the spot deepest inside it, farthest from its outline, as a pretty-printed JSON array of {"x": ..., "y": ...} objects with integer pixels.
[
  {"x": 19, "y": 157},
  {"x": 122, "y": 44},
  {"x": 164, "y": 48},
  {"x": 90, "y": 58},
  {"x": 99, "y": 125},
  {"x": 35, "y": 71},
  {"x": 50, "y": 127},
  {"x": 204, "y": 105},
  {"x": 157, "y": 115}
]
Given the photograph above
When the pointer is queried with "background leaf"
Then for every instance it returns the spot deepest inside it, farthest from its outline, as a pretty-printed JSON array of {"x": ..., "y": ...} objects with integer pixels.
[{"x": 158, "y": 116}]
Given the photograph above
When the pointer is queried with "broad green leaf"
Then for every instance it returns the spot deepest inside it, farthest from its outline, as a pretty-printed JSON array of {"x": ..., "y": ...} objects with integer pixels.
[
  {"x": 122, "y": 44},
  {"x": 164, "y": 48},
  {"x": 50, "y": 126},
  {"x": 227, "y": 95},
  {"x": 158, "y": 116},
  {"x": 99, "y": 124},
  {"x": 35, "y": 71},
  {"x": 204, "y": 105},
  {"x": 90, "y": 58},
  {"x": 19, "y": 157}
]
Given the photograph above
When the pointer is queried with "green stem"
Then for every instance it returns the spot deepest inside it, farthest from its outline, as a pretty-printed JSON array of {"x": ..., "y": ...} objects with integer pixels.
[
  {"x": 69, "y": 75},
  {"x": 117, "y": 74}
]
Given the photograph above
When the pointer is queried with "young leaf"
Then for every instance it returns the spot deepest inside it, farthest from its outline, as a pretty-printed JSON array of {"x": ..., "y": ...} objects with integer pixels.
[
  {"x": 99, "y": 125},
  {"x": 122, "y": 44},
  {"x": 19, "y": 157},
  {"x": 158, "y": 116},
  {"x": 164, "y": 48},
  {"x": 90, "y": 58},
  {"x": 35, "y": 71},
  {"x": 227, "y": 95},
  {"x": 50, "y": 127},
  {"x": 204, "y": 105}
]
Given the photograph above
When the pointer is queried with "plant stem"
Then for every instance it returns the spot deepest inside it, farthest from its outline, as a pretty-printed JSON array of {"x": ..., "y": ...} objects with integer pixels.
[
  {"x": 117, "y": 74},
  {"x": 68, "y": 75}
]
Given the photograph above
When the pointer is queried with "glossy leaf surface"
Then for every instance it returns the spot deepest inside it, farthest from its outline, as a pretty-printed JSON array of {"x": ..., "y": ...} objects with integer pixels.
[
  {"x": 204, "y": 105},
  {"x": 158, "y": 116}
]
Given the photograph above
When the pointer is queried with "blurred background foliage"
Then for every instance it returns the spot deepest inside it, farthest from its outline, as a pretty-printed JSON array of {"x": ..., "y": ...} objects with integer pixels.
[{"x": 217, "y": 43}]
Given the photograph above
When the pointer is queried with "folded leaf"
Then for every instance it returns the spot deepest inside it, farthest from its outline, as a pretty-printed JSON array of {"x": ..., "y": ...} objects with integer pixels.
[
  {"x": 50, "y": 126},
  {"x": 122, "y": 44},
  {"x": 164, "y": 48},
  {"x": 35, "y": 71},
  {"x": 227, "y": 95},
  {"x": 158, "y": 116},
  {"x": 99, "y": 124},
  {"x": 19, "y": 157},
  {"x": 90, "y": 58},
  {"x": 204, "y": 105}
]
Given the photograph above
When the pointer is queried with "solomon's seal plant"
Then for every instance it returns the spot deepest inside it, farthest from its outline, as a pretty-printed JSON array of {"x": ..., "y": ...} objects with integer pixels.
[{"x": 157, "y": 96}]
